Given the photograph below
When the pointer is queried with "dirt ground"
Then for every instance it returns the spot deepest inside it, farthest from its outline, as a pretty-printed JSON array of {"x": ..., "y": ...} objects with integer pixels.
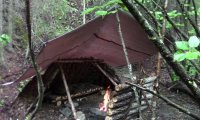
[{"x": 163, "y": 111}]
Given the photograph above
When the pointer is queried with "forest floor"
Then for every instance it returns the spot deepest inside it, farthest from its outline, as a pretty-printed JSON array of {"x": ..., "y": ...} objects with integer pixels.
[{"x": 163, "y": 111}]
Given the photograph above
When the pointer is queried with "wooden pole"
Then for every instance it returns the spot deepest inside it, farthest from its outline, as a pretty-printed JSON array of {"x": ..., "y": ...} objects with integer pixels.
[
  {"x": 84, "y": 5},
  {"x": 101, "y": 69},
  {"x": 68, "y": 93},
  {"x": 127, "y": 60}
]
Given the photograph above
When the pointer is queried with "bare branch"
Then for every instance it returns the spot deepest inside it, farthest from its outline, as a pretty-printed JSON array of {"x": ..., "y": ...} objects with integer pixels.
[
  {"x": 195, "y": 12},
  {"x": 164, "y": 12},
  {"x": 188, "y": 17}
]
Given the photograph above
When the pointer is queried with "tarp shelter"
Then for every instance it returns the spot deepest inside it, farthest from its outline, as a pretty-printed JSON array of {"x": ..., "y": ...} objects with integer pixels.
[{"x": 99, "y": 39}]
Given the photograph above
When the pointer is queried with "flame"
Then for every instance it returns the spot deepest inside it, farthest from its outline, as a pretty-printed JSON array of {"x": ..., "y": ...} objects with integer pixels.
[{"x": 104, "y": 106}]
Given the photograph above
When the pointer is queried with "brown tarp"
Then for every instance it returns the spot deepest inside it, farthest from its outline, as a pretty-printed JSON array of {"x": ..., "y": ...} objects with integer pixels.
[{"x": 98, "y": 39}]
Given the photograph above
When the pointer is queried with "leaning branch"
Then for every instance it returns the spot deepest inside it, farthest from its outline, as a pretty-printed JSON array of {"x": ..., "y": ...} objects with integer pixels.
[
  {"x": 68, "y": 92},
  {"x": 169, "y": 102}
]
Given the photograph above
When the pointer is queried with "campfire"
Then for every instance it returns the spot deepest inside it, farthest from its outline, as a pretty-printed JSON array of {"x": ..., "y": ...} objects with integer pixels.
[
  {"x": 104, "y": 106},
  {"x": 102, "y": 94},
  {"x": 96, "y": 91},
  {"x": 98, "y": 94}
]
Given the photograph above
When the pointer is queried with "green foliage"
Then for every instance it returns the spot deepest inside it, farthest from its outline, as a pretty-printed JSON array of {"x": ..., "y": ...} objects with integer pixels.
[
  {"x": 89, "y": 10},
  {"x": 102, "y": 10},
  {"x": 2, "y": 102},
  {"x": 182, "y": 45},
  {"x": 21, "y": 85},
  {"x": 187, "y": 50},
  {"x": 179, "y": 56},
  {"x": 28, "y": 117},
  {"x": 174, "y": 14},
  {"x": 175, "y": 77},
  {"x": 193, "y": 42},
  {"x": 5, "y": 39},
  {"x": 158, "y": 15}
]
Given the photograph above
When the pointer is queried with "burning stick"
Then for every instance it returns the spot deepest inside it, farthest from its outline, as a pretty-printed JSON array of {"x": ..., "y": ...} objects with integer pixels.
[
  {"x": 104, "y": 106},
  {"x": 68, "y": 93}
]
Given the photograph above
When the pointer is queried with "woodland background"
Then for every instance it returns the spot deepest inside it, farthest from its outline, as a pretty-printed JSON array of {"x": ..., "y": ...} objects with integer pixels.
[{"x": 52, "y": 18}]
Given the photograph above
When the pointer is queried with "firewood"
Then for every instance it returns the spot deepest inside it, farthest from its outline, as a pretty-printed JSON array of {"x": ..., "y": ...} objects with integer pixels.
[
  {"x": 109, "y": 118},
  {"x": 79, "y": 94},
  {"x": 121, "y": 87},
  {"x": 118, "y": 104},
  {"x": 122, "y": 97},
  {"x": 116, "y": 93},
  {"x": 112, "y": 112},
  {"x": 115, "y": 117},
  {"x": 120, "y": 116}
]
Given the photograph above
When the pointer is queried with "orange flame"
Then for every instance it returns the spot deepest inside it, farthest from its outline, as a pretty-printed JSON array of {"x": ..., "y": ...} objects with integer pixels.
[{"x": 104, "y": 106}]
